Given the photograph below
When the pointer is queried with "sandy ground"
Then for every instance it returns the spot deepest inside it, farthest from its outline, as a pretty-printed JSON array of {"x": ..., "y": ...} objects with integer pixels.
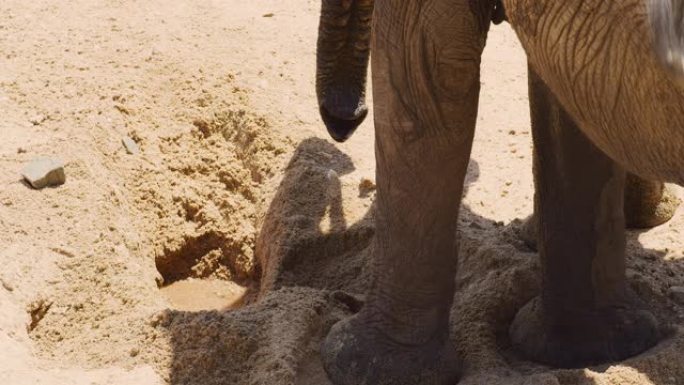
[{"x": 255, "y": 226}]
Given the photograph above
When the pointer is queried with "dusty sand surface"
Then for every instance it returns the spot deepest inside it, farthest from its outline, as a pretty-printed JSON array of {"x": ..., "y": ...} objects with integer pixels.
[{"x": 256, "y": 227}]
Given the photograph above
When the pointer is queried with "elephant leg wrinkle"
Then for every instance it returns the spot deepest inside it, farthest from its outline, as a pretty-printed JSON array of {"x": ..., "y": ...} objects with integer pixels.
[{"x": 586, "y": 314}]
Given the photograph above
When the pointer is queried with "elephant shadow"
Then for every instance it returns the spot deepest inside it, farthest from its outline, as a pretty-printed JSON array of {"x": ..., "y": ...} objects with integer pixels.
[
  {"x": 306, "y": 241},
  {"x": 304, "y": 232}
]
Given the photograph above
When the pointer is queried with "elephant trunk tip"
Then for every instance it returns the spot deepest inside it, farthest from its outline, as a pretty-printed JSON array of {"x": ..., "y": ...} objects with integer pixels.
[
  {"x": 342, "y": 119},
  {"x": 342, "y": 62}
]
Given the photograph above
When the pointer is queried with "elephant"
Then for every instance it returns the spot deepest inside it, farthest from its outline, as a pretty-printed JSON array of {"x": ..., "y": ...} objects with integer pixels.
[
  {"x": 647, "y": 204},
  {"x": 606, "y": 98}
]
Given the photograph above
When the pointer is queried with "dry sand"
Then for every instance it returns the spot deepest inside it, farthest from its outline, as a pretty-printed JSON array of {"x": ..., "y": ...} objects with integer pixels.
[{"x": 219, "y": 97}]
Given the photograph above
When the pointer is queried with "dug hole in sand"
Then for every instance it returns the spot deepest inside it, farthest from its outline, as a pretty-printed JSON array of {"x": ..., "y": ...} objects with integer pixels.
[{"x": 225, "y": 249}]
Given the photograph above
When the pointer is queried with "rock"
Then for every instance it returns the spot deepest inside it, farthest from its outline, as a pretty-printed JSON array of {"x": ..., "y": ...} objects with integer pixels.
[
  {"x": 134, "y": 352},
  {"x": 6, "y": 285},
  {"x": 366, "y": 187},
  {"x": 37, "y": 309},
  {"x": 44, "y": 172},
  {"x": 130, "y": 145},
  {"x": 677, "y": 293},
  {"x": 37, "y": 119},
  {"x": 367, "y": 184}
]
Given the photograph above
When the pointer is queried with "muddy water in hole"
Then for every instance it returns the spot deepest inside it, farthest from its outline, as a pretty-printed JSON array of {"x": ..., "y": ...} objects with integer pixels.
[{"x": 201, "y": 294}]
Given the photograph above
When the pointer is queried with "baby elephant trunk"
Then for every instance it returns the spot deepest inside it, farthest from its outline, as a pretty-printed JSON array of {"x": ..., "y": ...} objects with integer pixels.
[
  {"x": 342, "y": 62},
  {"x": 667, "y": 24}
]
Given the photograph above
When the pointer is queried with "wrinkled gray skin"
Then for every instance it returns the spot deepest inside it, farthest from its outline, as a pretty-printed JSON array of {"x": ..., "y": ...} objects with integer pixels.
[
  {"x": 604, "y": 97},
  {"x": 610, "y": 81}
]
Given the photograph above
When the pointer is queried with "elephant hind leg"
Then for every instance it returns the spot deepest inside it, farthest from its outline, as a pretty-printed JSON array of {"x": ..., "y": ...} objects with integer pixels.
[
  {"x": 586, "y": 314},
  {"x": 648, "y": 204}
]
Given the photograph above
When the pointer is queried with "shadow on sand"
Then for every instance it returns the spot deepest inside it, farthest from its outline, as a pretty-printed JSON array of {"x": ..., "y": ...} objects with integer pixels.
[{"x": 315, "y": 270}]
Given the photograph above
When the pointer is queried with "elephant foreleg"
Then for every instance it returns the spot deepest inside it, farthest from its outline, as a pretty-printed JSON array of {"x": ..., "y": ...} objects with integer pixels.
[
  {"x": 426, "y": 67},
  {"x": 586, "y": 313}
]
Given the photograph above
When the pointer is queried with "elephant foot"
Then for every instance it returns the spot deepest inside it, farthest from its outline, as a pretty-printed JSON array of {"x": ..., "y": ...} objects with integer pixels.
[
  {"x": 648, "y": 204},
  {"x": 355, "y": 354},
  {"x": 589, "y": 338}
]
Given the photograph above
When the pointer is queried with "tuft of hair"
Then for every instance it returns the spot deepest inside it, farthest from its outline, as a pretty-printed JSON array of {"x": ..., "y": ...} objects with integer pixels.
[{"x": 667, "y": 23}]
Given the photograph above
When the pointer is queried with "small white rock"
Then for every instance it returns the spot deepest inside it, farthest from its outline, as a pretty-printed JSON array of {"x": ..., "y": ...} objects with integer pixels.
[
  {"x": 6, "y": 285},
  {"x": 134, "y": 352},
  {"x": 37, "y": 119},
  {"x": 332, "y": 175},
  {"x": 44, "y": 172},
  {"x": 130, "y": 145}
]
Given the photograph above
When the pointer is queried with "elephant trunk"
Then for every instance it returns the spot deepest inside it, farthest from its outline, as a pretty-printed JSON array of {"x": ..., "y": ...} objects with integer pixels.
[
  {"x": 342, "y": 63},
  {"x": 667, "y": 24}
]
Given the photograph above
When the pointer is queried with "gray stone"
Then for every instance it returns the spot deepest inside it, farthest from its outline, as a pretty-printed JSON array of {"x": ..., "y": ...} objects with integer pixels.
[
  {"x": 44, "y": 172},
  {"x": 38, "y": 119},
  {"x": 677, "y": 293},
  {"x": 332, "y": 175},
  {"x": 130, "y": 145}
]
